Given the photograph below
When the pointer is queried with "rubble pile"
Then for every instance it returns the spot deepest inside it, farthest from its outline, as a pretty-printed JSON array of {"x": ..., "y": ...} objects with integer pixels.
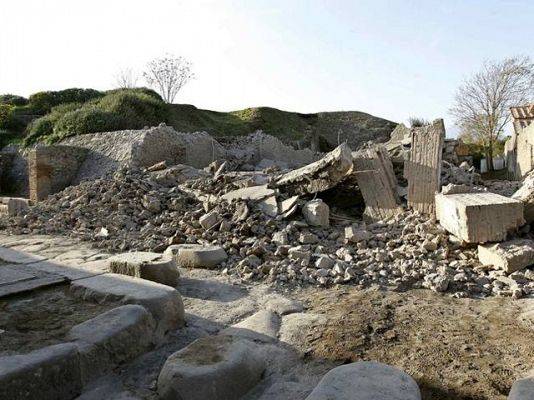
[
  {"x": 296, "y": 245},
  {"x": 463, "y": 174}
]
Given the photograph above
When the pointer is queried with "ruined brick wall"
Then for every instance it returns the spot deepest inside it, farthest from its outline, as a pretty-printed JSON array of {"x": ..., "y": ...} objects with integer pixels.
[{"x": 53, "y": 168}]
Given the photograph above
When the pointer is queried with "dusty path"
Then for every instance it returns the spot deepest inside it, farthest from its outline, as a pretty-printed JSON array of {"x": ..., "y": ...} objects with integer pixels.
[{"x": 454, "y": 348}]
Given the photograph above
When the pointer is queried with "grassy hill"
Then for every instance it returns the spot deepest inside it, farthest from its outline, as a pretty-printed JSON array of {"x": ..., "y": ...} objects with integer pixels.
[
  {"x": 327, "y": 128},
  {"x": 50, "y": 116}
]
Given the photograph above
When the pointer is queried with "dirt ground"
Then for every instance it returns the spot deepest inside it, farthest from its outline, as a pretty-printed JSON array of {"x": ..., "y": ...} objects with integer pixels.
[
  {"x": 41, "y": 318},
  {"x": 454, "y": 348}
]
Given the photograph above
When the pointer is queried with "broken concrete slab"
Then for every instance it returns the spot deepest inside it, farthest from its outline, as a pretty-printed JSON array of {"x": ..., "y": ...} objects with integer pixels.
[
  {"x": 262, "y": 326},
  {"x": 155, "y": 267},
  {"x": 285, "y": 206},
  {"x": 112, "y": 338},
  {"x": 317, "y": 213},
  {"x": 268, "y": 206},
  {"x": 163, "y": 302},
  {"x": 211, "y": 368},
  {"x": 509, "y": 256},
  {"x": 197, "y": 255},
  {"x": 50, "y": 373},
  {"x": 320, "y": 175},
  {"x": 377, "y": 182},
  {"x": 423, "y": 169},
  {"x": 366, "y": 380},
  {"x": 209, "y": 220},
  {"x": 249, "y": 193},
  {"x": 355, "y": 235},
  {"x": 479, "y": 217}
]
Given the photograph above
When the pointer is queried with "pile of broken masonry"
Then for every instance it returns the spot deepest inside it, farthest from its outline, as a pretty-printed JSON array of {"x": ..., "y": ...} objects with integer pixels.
[{"x": 271, "y": 225}]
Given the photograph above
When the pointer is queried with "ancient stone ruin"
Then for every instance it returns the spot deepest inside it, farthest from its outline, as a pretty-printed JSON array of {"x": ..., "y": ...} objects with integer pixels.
[{"x": 154, "y": 264}]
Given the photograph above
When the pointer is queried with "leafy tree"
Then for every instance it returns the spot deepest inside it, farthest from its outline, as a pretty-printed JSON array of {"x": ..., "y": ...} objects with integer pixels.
[
  {"x": 482, "y": 103},
  {"x": 167, "y": 75}
]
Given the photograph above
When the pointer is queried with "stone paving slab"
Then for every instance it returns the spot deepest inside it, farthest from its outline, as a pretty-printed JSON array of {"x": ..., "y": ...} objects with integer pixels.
[
  {"x": 80, "y": 271},
  {"x": 16, "y": 279},
  {"x": 19, "y": 257}
]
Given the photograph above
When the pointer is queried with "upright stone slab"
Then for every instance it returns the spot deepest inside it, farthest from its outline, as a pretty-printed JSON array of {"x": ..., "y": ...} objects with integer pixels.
[
  {"x": 423, "y": 169},
  {"x": 479, "y": 217},
  {"x": 522, "y": 389},
  {"x": 377, "y": 182},
  {"x": 509, "y": 256}
]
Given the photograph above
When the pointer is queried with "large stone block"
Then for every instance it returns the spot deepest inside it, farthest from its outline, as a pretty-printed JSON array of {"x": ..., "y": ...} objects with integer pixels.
[
  {"x": 479, "y": 217},
  {"x": 112, "y": 338},
  {"x": 366, "y": 381},
  {"x": 211, "y": 368},
  {"x": 197, "y": 255},
  {"x": 155, "y": 267},
  {"x": 510, "y": 256},
  {"x": 50, "y": 373}
]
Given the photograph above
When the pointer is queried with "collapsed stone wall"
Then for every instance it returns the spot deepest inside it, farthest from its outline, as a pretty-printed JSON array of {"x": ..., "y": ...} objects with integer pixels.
[
  {"x": 519, "y": 153},
  {"x": 258, "y": 146},
  {"x": 143, "y": 148}
]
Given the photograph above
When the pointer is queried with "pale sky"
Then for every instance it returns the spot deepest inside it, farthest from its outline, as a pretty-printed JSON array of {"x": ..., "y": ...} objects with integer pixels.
[{"x": 392, "y": 59}]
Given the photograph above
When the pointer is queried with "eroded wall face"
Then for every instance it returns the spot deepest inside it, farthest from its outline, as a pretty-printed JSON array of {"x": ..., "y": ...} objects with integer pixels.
[{"x": 52, "y": 169}]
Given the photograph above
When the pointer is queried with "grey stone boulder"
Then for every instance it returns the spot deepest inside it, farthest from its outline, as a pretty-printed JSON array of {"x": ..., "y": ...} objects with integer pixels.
[
  {"x": 163, "y": 302},
  {"x": 522, "y": 389},
  {"x": 366, "y": 380},
  {"x": 50, "y": 373},
  {"x": 155, "y": 267},
  {"x": 211, "y": 368},
  {"x": 112, "y": 338},
  {"x": 197, "y": 255}
]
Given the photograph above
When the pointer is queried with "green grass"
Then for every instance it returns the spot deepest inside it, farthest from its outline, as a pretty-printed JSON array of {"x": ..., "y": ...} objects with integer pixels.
[{"x": 288, "y": 125}]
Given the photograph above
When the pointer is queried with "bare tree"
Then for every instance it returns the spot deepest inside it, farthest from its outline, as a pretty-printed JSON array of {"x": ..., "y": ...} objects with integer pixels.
[
  {"x": 167, "y": 75},
  {"x": 126, "y": 78},
  {"x": 482, "y": 103}
]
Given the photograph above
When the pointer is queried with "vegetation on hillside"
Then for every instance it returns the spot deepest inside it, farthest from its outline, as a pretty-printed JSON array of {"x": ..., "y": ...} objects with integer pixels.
[{"x": 49, "y": 117}]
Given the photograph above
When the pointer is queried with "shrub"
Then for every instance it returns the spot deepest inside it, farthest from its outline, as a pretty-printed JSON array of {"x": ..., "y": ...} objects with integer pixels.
[
  {"x": 13, "y": 99},
  {"x": 7, "y": 116},
  {"x": 136, "y": 109},
  {"x": 88, "y": 119},
  {"x": 142, "y": 90},
  {"x": 43, "y": 102},
  {"x": 44, "y": 126}
]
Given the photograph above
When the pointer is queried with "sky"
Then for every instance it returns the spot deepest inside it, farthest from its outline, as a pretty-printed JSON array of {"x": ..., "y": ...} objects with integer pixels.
[{"x": 392, "y": 59}]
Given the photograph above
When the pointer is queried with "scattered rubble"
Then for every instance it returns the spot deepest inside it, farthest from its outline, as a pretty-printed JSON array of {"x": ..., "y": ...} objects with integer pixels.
[{"x": 509, "y": 256}]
